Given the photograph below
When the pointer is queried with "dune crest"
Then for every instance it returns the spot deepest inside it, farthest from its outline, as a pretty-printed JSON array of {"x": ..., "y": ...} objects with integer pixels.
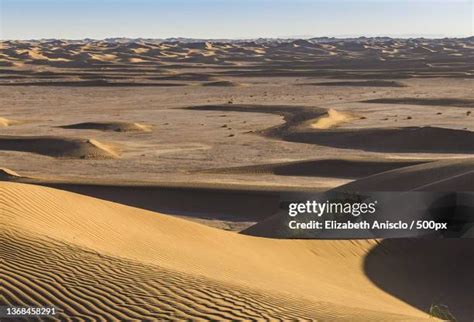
[
  {"x": 7, "y": 174},
  {"x": 333, "y": 119},
  {"x": 298, "y": 279},
  {"x": 4, "y": 122}
]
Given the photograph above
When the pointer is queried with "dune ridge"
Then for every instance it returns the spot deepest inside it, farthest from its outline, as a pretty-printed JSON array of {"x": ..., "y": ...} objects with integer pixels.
[
  {"x": 7, "y": 174},
  {"x": 380, "y": 139},
  {"x": 110, "y": 126},
  {"x": 59, "y": 147},
  {"x": 297, "y": 279}
]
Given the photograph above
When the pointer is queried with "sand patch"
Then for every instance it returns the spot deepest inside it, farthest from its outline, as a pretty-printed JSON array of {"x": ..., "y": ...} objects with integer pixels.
[
  {"x": 4, "y": 122},
  {"x": 59, "y": 147},
  {"x": 333, "y": 119},
  {"x": 110, "y": 126}
]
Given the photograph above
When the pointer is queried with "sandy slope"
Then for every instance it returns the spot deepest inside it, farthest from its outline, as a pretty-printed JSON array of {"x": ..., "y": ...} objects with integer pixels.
[{"x": 109, "y": 260}]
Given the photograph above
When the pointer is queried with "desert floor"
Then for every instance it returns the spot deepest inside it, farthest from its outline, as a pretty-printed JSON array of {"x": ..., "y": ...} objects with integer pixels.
[{"x": 128, "y": 169}]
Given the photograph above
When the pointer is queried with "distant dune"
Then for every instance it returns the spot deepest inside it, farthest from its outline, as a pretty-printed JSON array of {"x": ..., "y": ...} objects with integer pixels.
[
  {"x": 369, "y": 83},
  {"x": 382, "y": 139},
  {"x": 333, "y": 119},
  {"x": 377, "y": 62},
  {"x": 110, "y": 126},
  {"x": 425, "y": 101},
  {"x": 59, "y": 147},
  {"x": 331, "y": 168}
]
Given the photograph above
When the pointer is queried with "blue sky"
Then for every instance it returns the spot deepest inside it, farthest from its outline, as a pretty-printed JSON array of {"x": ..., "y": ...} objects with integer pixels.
[{"x": 76, "y": 19}]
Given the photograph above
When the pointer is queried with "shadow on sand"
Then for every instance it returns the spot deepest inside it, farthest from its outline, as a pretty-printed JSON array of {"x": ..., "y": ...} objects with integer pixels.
[{"x": 426, "y": 272}]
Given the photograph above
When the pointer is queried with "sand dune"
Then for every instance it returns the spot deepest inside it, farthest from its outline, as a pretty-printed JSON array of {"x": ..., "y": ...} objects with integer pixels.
[
  {"x": 110, "y": 126},
  {"x": 331, "y": 168},
  {"x": 7, "y": 174},
  {"x": 402, "y": 139},
  {"x": 222, "y": 206},
  {"x": 379, "y": 264},
  {"x": 4, "y": 122},
  {"x": 134, "y": 264},
  {"x": 370, "y": 58},
  {"x": 333, "y": 119},
  {"x": 447, "y": 175},
  {"x": 59, "y": 147}
]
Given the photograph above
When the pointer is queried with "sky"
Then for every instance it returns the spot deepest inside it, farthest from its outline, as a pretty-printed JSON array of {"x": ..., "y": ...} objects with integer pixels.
[{"x": 238, "y": 19}]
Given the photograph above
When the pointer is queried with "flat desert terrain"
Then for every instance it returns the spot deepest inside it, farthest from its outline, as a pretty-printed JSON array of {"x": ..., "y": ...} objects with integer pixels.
[{"x": 131, "y": 171}]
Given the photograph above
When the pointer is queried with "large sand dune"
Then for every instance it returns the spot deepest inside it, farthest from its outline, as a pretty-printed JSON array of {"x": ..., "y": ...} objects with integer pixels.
[{"x": 95, "y": 259}]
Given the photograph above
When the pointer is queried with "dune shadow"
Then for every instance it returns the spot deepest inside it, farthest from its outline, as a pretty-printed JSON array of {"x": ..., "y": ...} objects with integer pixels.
[
  {"x": 403, "y": 139},
  {"x": 109, "y": 126},
  {"x": 58, "y": 147},
  {"x": 92, "y": 83},
  {"x": 426, "y": 272},
  {"x": 205, "y": 203},
  {"x": 331, "y": 168},
  {"x": 368, "y": 83},
  {"x": 458, "y": 102}
]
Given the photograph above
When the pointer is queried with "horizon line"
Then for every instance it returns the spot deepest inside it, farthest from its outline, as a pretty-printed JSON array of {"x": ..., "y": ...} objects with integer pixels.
[{"x": 342, "y": 37}]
